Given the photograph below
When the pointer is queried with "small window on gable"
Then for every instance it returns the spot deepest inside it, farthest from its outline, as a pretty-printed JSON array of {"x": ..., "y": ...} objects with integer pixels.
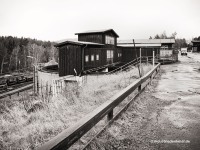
[
  {"x": 97, "y": 56},
  {"x": 92, "y": 57},
  {"x": 86, "y": 58},
  {"x": 110, "y": 40}
]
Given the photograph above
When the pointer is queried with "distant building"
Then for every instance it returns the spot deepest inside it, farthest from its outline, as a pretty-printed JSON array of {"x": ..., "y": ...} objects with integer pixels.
[
  {"x": 162, "y": 47},
  {"x": 195, "y": 45}
]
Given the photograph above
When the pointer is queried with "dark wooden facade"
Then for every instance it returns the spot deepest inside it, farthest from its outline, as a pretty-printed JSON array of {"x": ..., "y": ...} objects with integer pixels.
[
  {"x": 97, "y": 36},
  {"x": 131, "y": 53},
  {"x": 196, "y": 45},
  {"x": 102, "y": 54},
  {"x": 90, "y": 51},
  {"x": 70, "y": 59}
]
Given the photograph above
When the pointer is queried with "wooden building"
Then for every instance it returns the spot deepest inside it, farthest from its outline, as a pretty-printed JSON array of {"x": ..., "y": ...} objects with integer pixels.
[
  {"x": 130, "y": 48},
  {"x": 98, "y": 48},
  {"x": 93, "y": 49},
  {"x": 132, "y": 51},
  {"x": 166, "y": 48},
  {"x": 196, "y": 45}
]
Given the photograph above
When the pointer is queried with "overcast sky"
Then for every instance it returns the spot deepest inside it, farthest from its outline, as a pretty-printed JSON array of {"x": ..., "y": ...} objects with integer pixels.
[{"x": 59, "y": 19}]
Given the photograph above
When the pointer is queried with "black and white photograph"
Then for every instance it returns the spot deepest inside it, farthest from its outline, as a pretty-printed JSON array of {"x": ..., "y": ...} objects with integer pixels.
[{"x": 99, "y": 74}]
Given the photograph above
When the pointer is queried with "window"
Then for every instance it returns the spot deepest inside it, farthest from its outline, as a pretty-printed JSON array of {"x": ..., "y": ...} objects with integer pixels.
[
  {"x": 86, "y": 58},
  {"x": 97, "y": 56},
  {"x": 110, "y": 40},
  {"x": 92, "y": 57},
  {"x": 119, "y": 54},
  {"x": 109, "y": 56}
]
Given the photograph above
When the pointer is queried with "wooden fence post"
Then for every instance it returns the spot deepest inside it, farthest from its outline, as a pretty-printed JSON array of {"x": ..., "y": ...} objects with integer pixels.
[
  {"x": 153, "y": 59},
  {"x": 139, "y": 88},
  {"x": 110, "y": 115}
]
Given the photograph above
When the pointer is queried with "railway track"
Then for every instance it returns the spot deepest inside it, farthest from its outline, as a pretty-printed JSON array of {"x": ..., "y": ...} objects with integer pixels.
[
  {"x": 15, "y": 86},
  {"x": 15, "y": 89}
]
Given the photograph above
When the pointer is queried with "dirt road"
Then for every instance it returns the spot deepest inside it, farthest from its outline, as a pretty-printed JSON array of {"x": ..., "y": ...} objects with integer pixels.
[{"x": 165, "y": 116}]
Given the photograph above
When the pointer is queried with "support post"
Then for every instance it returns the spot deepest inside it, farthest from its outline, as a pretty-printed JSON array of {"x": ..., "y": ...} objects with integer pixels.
[
  {"x": 150, "y": 79},
  {"x": 139, "y": 88},
  {"x": 140, "y": 60},
  {"x": 110, "y": 115},
  {"x": 34, "y": 83},
  {"x": 153, "y": 58}
]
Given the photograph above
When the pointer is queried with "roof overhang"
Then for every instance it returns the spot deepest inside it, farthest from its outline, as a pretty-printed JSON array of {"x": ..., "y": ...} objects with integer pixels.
[
  {"x": 139, "y": 45},
  {"x": 98, "y": 31},
  {"x": 147, "y": 41},
  {"x": 81, "y": 43}
]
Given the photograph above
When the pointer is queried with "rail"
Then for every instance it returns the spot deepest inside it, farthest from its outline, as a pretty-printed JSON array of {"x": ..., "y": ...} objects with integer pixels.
[
  {"x": 27, "y": 87},
  {"x": 94, "y": 69},
  {"x": 133, "y": 62},
  {"x": 69, "y": 136}
]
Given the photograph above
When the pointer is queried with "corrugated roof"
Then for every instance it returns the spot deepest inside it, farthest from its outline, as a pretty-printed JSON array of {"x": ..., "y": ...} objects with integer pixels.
[
  {"x": 139, "y": 45},
  {"x": 77, "y": 43},
  {"x": 127, "y": 41},
  {"x": 97, "y": 31},
  {"x": 154, "y": 41},
  {"x": 146, "y": 41}
]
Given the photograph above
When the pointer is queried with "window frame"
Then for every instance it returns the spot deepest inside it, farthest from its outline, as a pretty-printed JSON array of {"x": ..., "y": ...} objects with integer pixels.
[
  {"x": 109, "y": 40},
  {"x": 97, "y": 56},
  {"x": 86, "y": 58},
  {"x": 110, "y": 56},
  {"x": 92, "y": 57}
]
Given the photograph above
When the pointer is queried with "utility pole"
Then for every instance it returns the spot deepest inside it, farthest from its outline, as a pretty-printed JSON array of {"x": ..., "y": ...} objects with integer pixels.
[
  {"x": 136, "y": 58},
  {"x": 35, "y": 82}
]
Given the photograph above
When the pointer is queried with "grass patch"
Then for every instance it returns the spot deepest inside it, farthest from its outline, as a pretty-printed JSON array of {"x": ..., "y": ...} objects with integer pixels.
[{"x": 29, "y": 122}]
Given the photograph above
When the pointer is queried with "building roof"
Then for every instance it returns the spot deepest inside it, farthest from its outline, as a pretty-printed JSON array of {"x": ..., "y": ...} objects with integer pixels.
[
  {"x": 195, "y": 41},
  {"x": 50, "y": 63},
  {"x": 67, "y": 39},
  {"x": 98, "y": 31},
  {"x": 146, "y": 41},
  {"x": 139, "y": 45},
  {"x": 76, "y": 43}
]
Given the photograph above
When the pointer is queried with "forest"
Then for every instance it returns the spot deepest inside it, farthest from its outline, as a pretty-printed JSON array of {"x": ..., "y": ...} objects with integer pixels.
[{"x": 22, "y": 53}]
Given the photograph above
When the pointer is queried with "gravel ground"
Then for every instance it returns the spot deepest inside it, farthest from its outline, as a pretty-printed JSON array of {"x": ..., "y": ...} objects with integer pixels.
[{"x": 165, "y": 116}]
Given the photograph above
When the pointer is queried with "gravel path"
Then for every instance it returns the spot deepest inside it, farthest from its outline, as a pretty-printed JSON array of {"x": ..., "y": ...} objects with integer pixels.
[{"x": 165, "y": 116}]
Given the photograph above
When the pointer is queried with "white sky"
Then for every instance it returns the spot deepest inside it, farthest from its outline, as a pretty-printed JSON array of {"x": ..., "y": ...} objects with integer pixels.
[{"x": 59, "y": 19}]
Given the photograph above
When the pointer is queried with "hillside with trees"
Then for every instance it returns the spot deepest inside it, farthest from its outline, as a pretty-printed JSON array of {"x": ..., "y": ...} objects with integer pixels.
[
  {"x": 197, "y": 38},
  {"x": 22, "y": 53},
  {"x": 178, "y": 41}
]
